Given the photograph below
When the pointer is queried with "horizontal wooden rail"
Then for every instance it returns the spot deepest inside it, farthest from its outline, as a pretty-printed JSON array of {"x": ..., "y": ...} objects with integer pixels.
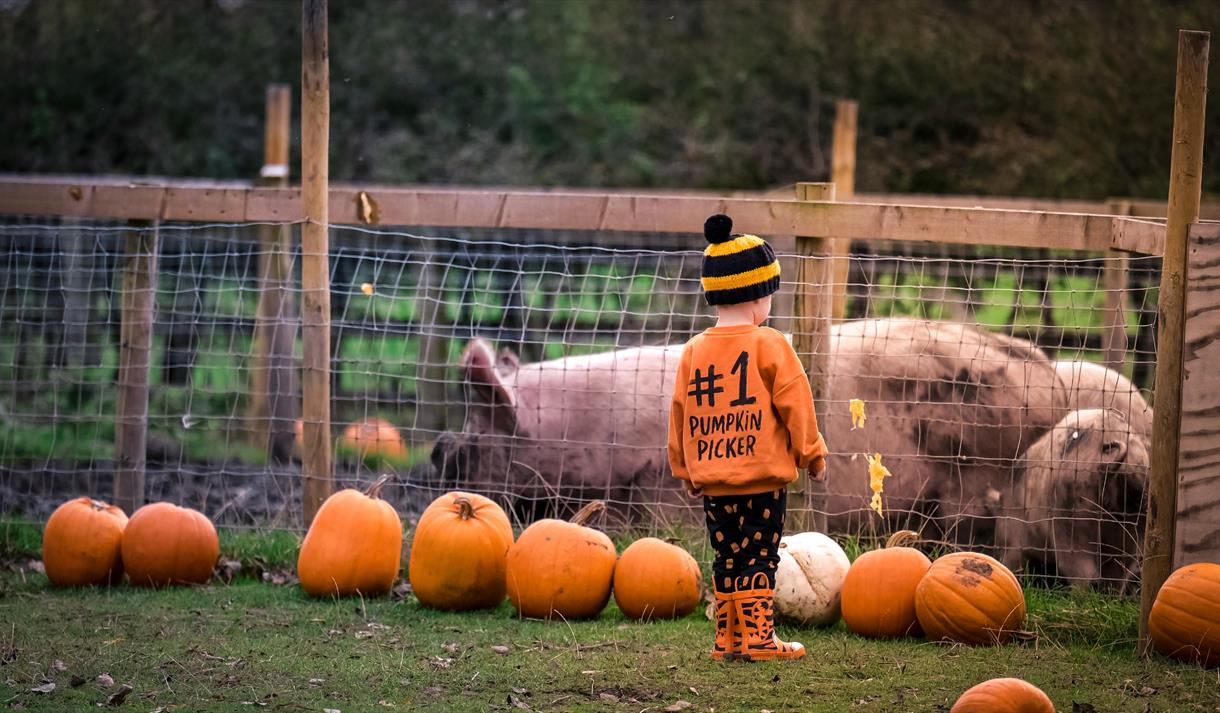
[{"x": 187, "y": 201}]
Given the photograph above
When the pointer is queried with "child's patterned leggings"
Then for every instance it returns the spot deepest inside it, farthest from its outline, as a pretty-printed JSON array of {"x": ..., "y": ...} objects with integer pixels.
[{"x": 745, "y": 532}]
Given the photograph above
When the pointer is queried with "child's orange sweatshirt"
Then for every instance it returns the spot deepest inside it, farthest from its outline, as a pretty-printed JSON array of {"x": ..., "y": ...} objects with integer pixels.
[{"x": 742, "y": 417}]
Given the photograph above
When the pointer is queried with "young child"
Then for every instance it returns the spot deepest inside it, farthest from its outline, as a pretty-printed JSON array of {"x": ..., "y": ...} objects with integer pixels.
[{"x": 740, "y": 425}]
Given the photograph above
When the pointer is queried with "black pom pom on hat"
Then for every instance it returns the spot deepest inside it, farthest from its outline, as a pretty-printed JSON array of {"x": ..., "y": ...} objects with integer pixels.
[{"x": 718, "y": 228}]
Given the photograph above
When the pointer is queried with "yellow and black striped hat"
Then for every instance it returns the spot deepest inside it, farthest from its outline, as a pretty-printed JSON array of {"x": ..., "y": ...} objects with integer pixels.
[{"x": 736, "y": 268}]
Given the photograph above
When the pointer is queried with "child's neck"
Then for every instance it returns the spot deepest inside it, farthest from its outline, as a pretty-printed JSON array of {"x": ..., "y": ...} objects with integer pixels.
[
  {"x": 732, "y": 321},
  {"x": 735, "y": 315}
]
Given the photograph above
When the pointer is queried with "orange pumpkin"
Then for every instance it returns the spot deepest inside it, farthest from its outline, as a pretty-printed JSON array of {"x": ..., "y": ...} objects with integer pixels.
[
  {"x": 879, "y": 590},
  {"x": 81, "y": 543},
  {"x": 562, "y": 569},
  {"x": 1004, "y": 695},
  {"x": 1185, "y": 619},
  {"x": 374, "y": 437},
  {"x": 656, "y": 580},
  {"x": 458, "y": 551},
  {"x": 969, "y": 598},
  {"x": 354, "y": 545},
  {"x": 166, "y": 544}
]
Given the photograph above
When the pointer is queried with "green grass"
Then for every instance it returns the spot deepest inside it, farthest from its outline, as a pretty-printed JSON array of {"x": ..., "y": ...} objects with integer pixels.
[
  {"x": 248, "y": 645},
  {"x": 227, "y": 647}
]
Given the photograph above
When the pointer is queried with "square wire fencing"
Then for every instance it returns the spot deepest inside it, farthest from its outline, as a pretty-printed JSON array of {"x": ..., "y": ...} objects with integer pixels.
[{"x": 536, "y": 366}]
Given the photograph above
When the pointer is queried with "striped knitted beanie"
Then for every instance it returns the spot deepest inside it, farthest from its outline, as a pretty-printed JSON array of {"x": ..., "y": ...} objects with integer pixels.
[{"x": 736, "y": 268}]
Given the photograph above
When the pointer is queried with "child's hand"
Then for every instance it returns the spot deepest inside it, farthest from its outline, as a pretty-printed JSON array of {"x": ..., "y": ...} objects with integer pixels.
[
  {"x": 817, "y": 469},
  {"x": 693, "y": 491}
]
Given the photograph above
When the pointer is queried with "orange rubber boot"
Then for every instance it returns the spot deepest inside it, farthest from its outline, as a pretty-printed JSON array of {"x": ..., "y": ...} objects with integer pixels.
[
  {"x": 755, "y": 614},
  {"x": 728, "y": 639}
]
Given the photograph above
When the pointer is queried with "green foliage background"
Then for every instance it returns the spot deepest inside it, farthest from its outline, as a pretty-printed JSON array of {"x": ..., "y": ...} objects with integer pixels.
[{"x": 1057, "y": 99}]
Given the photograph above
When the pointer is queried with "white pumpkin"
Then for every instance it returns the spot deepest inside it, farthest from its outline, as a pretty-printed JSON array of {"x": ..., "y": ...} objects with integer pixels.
[{"x": 809, "y": 579}]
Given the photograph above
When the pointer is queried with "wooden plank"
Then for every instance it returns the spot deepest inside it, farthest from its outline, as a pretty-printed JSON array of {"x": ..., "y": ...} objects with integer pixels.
[
  {"x": 272, "y": 409},
  {"x": 843, "y": 176},
  {"x": 226, "y": 205},
  {"x": 139, "y": 279},
  {"x": 1185, "y": 188},
  {"x": 1198, "y": 507},
  {"x": 811, "y": 321},
  {"x": 317, "y": 467},
  {"x": 600, "y": 212}
]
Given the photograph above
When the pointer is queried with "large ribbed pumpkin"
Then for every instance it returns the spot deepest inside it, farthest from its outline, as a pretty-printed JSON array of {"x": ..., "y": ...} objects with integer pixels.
[
  {"x": 81, "y": 544},
  {"x": 879, "y": 590},
  {"x": 458, "y": 551},
  {"x": 1004, "y": 695},
  {"x": 165, "y": 544},
  {"x": 354, "y": 545},
  {"x": 969, "y": 598},
  {"x": 561, "y": 569},
  {"x": 1185, "y": 619},
  {"x": 656, "y": 580}
]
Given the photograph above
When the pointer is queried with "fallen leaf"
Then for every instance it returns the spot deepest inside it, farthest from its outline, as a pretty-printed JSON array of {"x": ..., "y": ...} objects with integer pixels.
[
  {"x": 440, "y": 662},
  {"x": 117, "y": 698},
  {"x": 315, "y": 682},
  {"x": 44, "y": 688},
  {"x": 450, "y": 647},
  {"x": 502, "y": 650},
  {"x": 434, "y": 691},
  {"x": 105, "y": 681},
  {"x": 857, "y": 414},
  {"x": 330, "y": 710},
  {"x": 679, "y": 706},
  {"x": 401, "y": 591},
  {"x": 692, "y": 690},
  {"x": 610, "y": 697},
  {"x": 517, "y": 702},
  {"x": 58, "y": 665},
  {"x": 77, "y": 681},
  {"x": 520, "y": 691},
  {"x": 877, "y": 474},
  {"x": 367, "y": 288},
  {"x": 1083, "y": 707},
  {"x": 227, "y": 569},
  {"x": 363, "y": 634}
]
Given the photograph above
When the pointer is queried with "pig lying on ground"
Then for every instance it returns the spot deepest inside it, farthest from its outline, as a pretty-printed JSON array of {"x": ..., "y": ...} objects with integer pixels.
[
  {"x": 1077, "y": 510},
  {"x": 950, "y": 407}
]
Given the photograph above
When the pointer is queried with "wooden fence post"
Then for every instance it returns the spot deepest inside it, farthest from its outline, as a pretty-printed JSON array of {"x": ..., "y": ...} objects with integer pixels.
[
  {"x": 811, "y": 321},
  {"x": 315, "y": 256},
  {"x": 273, "y": 387},
  {"x": 1114, "y": 284},
  {"x": 139, "y": 286},
  {"x": 843, "y": 177},
  {"x": 1185, "y": 187}
]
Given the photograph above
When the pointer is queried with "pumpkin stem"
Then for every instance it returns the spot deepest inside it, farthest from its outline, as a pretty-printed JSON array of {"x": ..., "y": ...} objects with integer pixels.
[
  {"x": 374, "y": 490},
  {"x": 902, "y": 538},
  {"x": 97, "y": 504},
  {"x": 582, "y": 515},
  {"x": 465, "y": 508}
]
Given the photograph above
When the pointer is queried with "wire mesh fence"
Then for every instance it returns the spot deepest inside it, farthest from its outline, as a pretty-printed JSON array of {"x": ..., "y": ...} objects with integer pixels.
[{"x": 535, "y": 367}]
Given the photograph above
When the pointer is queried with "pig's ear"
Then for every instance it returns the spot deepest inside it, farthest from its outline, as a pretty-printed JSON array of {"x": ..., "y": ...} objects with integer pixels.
[{"x": 479, "y": 367}]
